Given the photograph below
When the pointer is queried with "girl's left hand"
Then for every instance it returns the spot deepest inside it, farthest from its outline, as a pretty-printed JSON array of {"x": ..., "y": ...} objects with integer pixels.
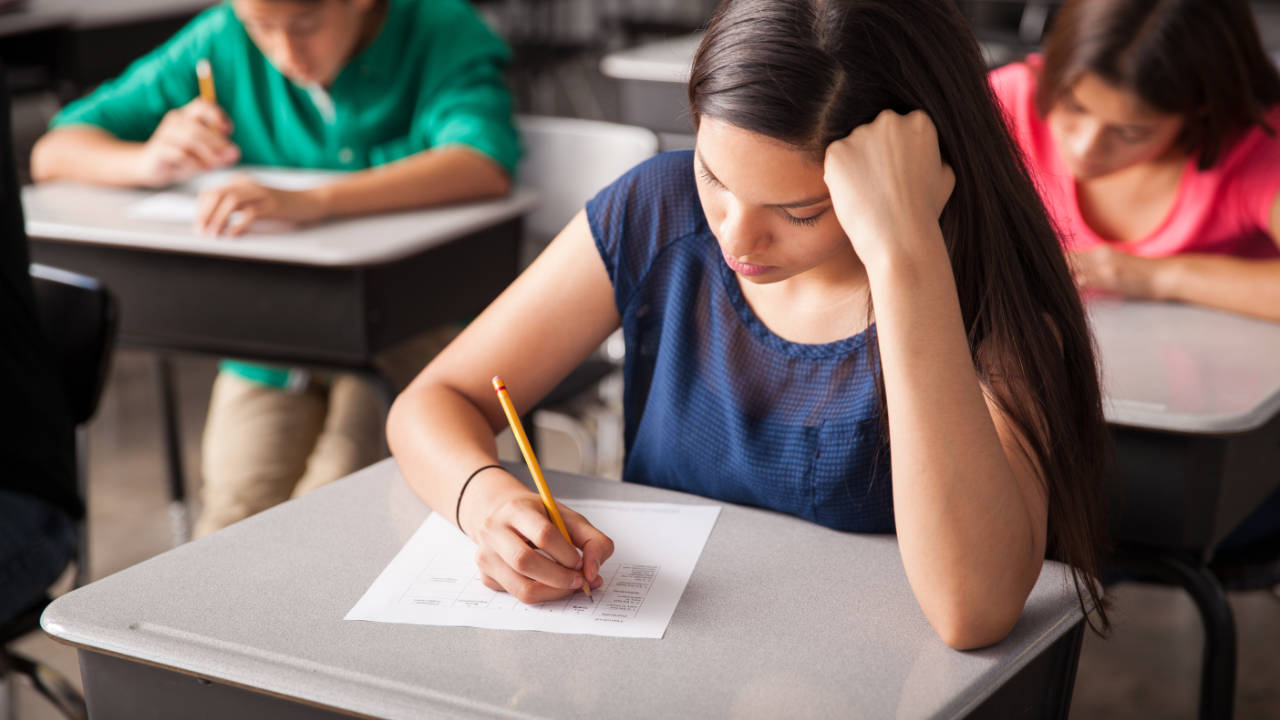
[
  {"x": 888, "y": 184},
  {"x": 1110, "y": 270},
  {"x": 232, "y": 208}
]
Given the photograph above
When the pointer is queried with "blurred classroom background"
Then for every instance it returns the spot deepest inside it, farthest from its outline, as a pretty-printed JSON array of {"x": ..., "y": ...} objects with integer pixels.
[{"x": 57, "y": 50}]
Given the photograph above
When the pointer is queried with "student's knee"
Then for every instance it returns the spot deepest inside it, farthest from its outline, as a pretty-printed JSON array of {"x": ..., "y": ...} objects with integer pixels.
[
  {"x": 252, "y": 425},
  {"x": 352, "y": 437},
  {"x": 257, "y": 440}
]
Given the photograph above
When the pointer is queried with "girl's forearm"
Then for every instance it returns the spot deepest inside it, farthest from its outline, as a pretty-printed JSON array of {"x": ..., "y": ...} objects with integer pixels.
[
  {"x": 439, "y": 438},
  {"x": 964, "y": 526}
]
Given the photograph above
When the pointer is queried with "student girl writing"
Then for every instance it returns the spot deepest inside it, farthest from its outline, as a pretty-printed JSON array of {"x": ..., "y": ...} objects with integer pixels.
[
  {"x": 846, "y": 304},
  {"x": 407, "y": 95},
  {"x": 1150, "y": 129}
]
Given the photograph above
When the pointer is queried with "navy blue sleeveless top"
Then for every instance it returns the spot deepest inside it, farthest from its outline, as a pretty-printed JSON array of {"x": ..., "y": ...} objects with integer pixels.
[{"x": 714, "y": 402}]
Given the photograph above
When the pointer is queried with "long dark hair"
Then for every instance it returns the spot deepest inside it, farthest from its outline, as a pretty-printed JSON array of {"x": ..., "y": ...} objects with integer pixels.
[
  {"x": 1198, "y": 59},
  {"x": 807, "y": 72}
]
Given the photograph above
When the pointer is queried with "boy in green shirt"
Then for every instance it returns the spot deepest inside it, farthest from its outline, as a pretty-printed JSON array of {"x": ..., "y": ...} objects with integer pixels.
[{"x": 408, "y": 95}]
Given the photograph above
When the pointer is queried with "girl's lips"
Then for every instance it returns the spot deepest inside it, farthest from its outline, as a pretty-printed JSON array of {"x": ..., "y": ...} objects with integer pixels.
[{"x": 745, "y": 268}]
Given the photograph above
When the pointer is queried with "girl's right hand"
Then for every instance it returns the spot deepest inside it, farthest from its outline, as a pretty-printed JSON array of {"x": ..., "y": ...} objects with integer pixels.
[
  {"x": 889, "y": 185},
  {"x": 189, "y": 140},
  {"x": 520, "y": 551}
]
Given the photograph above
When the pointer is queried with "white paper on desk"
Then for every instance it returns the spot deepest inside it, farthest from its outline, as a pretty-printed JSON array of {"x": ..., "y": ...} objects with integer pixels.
[
  {"x": 281, "y": 178},
  {"x": 179, "y": 205},
  {"x": 434, "y": 580}
]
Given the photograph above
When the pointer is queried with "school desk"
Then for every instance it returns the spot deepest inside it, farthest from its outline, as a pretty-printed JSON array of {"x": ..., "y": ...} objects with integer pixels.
[
  {"x": 332, "y": 295},
  {"x": 781, "y": 618},
  {"x": 1193, "y": 398}
]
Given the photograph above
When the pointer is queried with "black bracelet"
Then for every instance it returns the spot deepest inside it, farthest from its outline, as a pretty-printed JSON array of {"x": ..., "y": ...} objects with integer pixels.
[{"x": 457, "y": 519}]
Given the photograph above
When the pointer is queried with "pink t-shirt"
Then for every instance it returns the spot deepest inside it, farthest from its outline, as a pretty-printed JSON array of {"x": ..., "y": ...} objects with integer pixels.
[{"x": 1223, "y": 210}]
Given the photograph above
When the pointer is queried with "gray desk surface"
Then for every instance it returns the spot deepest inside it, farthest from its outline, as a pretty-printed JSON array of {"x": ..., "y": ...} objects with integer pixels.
[
  {"x": 90, "y": 214},
  {"x": 661, "y": 61},
  {"x": 781, "y": 618},
  {"x": 1182, "y": 368},
  {"x": 668, "y": 61},
  {"x": 23, "y": 20},
  {"x": 98, "y": 13}
]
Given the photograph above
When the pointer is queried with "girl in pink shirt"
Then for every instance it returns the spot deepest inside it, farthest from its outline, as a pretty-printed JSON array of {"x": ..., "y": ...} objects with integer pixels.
[{"x": 1150, "y": 130}]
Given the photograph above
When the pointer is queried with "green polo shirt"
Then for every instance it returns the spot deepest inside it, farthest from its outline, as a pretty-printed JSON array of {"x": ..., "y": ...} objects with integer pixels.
[{"x": 432, "y": 77}]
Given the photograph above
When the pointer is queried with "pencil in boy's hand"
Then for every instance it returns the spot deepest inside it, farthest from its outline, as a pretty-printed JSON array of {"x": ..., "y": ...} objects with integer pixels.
[
  {"x": 517, "y": 429},
  {"x": 204, "y": 76}
]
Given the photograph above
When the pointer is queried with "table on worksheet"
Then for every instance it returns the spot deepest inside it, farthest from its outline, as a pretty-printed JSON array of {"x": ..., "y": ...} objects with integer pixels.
[{"x": 780, "y": 618}]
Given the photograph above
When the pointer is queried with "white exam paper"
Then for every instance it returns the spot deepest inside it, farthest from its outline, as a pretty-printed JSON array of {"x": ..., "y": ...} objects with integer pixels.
[
  {"x": 164, "y": 206},
  {"x": 179, "y": 204},
  {"x": 434, "y": 580}
]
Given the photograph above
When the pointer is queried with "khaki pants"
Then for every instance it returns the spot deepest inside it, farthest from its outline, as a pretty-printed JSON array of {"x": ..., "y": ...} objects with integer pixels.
[{"x": 263, "y": 446}]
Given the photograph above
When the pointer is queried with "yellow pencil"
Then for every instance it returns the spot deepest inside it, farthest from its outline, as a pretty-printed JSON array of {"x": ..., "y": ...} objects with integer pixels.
[
  {"x": 204, "y": 76},
  {"x": 517, "y": 428}
]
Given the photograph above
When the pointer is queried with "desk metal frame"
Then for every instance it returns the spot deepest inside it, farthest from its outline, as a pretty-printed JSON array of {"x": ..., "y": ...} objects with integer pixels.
[
  {"x": 1039, "y": 691},
  {"x": 1178, "y": 496}
]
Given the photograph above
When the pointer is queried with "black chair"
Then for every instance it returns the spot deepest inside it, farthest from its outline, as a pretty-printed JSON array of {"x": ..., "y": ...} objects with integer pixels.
[
  {"x": 76, "y": 316},
  {"x": 79, "y": 318},
  {"x": 1256, "y": 567}
]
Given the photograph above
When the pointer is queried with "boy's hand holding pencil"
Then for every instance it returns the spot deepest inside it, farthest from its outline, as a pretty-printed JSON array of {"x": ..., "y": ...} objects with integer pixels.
[{"x": 189, "y": 140}]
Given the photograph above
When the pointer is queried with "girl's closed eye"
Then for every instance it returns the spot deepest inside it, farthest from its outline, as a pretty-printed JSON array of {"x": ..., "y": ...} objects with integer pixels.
[
  {"x": 708, "y": 178},
  {"x": 809, "y": 221},
  {"x": 806, "y": 221}
]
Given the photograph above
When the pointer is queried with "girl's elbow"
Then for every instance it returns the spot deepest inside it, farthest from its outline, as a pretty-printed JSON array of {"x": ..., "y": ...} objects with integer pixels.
[
  {"x": 964, "y": 627},
  {"x": 397, "y": 418}
]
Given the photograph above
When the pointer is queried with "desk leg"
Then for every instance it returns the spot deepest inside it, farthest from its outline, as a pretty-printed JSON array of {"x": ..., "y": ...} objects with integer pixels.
[
  {"x": 1218, "y": 675},
  {"x": 179, "y": 523}
]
